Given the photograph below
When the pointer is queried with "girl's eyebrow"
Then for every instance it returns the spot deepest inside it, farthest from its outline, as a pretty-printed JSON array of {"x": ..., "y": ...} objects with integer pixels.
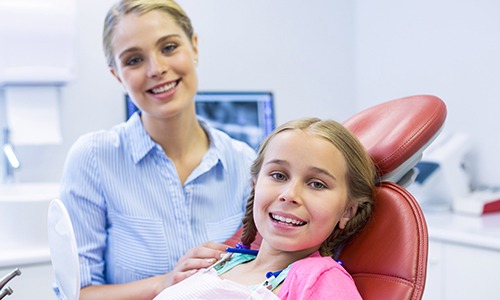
[
  {"x": 278, "y": 162},
  {"x": 313, "y": 169},
  {"x": 160, "y": 41},
  {"x": 323, "y": 171}
]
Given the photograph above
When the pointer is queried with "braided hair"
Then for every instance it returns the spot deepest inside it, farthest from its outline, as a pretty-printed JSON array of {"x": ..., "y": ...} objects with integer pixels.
[{"x": 360, "y": 178}]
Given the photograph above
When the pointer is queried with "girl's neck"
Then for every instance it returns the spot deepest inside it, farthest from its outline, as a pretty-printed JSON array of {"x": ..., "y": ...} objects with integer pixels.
[
  {"x": 274, "y": 260},
  {"x": 267, "y": 260}
]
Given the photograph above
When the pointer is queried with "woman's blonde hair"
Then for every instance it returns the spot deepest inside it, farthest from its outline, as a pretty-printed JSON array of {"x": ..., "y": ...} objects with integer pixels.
[
  {"x": 360, "y": 179},
  {"x": 139, "y": 7}
]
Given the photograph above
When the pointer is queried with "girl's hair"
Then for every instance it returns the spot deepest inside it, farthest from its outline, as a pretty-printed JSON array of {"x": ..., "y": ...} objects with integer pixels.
[
  {"x": 139, "y": 7},
  {"x": 360, "y": 178}
]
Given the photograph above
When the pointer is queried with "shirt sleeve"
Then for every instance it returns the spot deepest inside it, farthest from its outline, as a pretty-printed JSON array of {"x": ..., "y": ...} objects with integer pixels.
[{"x": 83, "y": 198}]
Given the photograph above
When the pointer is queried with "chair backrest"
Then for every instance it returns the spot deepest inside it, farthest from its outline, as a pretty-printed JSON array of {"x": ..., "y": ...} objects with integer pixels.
[
  {"x": 388, "y": 259},
  {"x": 63, "y": 251}
]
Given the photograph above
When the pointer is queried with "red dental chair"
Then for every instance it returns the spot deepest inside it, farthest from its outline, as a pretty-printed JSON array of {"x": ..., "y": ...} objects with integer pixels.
[{"x": 388, "y": 259}]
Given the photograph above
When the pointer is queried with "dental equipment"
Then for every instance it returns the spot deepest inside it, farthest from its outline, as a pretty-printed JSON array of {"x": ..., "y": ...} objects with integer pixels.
[
  {"x": 8, "y": 291},
  {"x": 224, "y": 258}
]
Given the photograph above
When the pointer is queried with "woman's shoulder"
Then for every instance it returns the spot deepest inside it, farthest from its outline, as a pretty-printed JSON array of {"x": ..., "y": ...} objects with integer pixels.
[
  {"x": 228, "y": 145},
  {"x": 99, "y": 140}
]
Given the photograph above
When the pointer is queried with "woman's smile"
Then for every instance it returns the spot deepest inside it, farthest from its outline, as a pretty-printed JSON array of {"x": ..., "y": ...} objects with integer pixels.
[{"x": 160, "y": 89}]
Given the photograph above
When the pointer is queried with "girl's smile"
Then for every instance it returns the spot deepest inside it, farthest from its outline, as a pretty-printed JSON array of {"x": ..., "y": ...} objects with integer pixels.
[{"x": 286, "y": 219}]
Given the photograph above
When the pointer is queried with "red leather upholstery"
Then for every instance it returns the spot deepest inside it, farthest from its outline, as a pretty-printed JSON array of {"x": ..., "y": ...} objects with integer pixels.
[
  {"x": 395, "y": 130},
  {"x": 388, "y": 259}
]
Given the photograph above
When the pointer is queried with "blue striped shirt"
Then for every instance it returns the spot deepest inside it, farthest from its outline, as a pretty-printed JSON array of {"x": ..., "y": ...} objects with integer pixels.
[{"x": 132, "y": 216}]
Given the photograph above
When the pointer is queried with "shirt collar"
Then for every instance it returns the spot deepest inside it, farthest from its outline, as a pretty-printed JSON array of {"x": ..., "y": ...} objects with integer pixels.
[
  {"x": 141, "y": 143},
  {"x": 213, "y": 154}
]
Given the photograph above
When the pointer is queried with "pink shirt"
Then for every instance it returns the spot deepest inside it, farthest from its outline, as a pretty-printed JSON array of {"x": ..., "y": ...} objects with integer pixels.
[{"x": 316, "y": 277}]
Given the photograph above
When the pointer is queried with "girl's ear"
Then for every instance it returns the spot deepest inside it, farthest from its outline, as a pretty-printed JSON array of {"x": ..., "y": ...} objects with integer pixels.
[{"x": 349, "y": 212}]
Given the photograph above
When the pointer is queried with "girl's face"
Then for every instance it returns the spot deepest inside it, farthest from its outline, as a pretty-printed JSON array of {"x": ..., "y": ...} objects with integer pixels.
[
  {"x": 155, "y": 63},
  {"x": 300, "y": 192}
]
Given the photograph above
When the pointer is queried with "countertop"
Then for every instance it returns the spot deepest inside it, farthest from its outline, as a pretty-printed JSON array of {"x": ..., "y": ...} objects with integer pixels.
[{"x": 478, "y": 231}]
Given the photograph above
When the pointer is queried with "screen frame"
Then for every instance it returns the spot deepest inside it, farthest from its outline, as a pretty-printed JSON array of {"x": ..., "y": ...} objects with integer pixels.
[{"x": 266, "y": 97}]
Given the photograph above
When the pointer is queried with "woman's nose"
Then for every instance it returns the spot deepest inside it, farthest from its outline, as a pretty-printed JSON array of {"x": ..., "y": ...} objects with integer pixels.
[{"x": 157, "y": 67}]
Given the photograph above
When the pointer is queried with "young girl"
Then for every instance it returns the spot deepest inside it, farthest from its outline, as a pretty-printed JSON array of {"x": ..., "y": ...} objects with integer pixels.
[
  {"x": 152, "y": 199},
  {"x": 312, "y": 191}
]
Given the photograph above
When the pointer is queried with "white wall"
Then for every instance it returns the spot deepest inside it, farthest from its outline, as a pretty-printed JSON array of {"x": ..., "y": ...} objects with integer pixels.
[
  {"x": 301, "y": 51},
  {"x": 93, "y": 101},
  {"x": 448, "y": 48},
  {"x": 325, "y": 58}
]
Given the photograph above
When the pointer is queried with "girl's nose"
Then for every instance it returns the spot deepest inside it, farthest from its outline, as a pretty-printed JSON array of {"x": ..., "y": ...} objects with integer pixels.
[{"x": 292, "y": 193}]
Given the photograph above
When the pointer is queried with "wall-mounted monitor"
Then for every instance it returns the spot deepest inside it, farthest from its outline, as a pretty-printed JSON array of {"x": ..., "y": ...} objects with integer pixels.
[{"x": 246, "y": 116}]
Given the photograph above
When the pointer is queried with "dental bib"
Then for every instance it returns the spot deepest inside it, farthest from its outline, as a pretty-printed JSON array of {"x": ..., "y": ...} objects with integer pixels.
[{"x": 209, "y": 286}]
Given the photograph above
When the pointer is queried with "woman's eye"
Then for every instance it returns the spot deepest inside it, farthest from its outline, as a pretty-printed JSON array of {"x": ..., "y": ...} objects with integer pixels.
[
  {"x": 278, "y": 176},
  {"x": 169, "y": 48},
  {"x": 133, "y": 61}
]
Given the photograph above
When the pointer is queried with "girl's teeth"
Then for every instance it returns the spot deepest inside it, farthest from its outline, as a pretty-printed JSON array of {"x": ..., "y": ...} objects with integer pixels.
[{"x": 287, "y": 220}]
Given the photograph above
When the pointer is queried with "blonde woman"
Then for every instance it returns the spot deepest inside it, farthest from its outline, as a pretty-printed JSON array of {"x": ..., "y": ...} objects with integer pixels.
[{"x": 152, "y": 199}]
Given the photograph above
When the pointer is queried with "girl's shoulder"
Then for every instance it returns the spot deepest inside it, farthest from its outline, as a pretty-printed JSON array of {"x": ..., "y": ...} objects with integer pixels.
[
  {"x": 315, "y": 263},
  {"x": 317, "y": 277}
]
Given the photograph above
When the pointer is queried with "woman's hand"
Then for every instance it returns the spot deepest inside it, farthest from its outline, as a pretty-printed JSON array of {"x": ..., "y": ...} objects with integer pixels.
[{"x": 197, "y": 258}]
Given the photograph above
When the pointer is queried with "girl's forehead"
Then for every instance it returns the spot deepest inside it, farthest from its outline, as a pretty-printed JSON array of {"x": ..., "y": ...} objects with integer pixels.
[
  {"x": 296, "y": 136},
  {"x": 302, "y": 145}
]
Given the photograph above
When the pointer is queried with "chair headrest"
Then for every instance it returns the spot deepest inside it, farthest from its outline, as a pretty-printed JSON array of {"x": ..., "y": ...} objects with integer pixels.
[{"x": 396, "y": 132}]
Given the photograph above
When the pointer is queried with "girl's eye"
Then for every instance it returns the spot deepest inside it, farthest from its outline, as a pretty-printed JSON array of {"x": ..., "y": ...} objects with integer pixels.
[
  {"x": 133, "y": 61},
  {"x": 317, "y": 185},
  {"x": 169, "y": 48},
  {"x": 278, "y": 176}
]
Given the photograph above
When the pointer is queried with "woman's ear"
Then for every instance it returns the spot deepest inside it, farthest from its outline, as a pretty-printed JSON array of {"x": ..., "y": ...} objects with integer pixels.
[
  {"x": 194, "y": 43},
  {"x": 349, "y": 212},
  {"x": 115, "y": 75}
]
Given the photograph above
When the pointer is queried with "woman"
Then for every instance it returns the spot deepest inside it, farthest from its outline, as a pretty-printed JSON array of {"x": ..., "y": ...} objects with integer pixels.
[{"x": 152, "y": 198}]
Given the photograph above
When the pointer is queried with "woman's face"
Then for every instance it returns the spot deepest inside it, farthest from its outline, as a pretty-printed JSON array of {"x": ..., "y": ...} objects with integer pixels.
[
  {"x": 300, "y": 192},
  {"x": 156, "y": 63}
]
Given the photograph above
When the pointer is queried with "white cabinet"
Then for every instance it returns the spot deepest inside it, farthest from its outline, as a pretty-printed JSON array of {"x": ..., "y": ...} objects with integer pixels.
[
  {"x": 435, "y": 272},
  {"x": 464, "y": 257}
]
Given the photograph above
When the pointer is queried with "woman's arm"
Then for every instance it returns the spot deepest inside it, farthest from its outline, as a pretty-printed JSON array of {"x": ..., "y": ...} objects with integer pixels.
[{"x": 197, "y": 258}]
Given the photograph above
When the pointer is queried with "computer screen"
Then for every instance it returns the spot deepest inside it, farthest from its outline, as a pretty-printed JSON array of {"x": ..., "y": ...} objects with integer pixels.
[{"x": 245, "y": 116}]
